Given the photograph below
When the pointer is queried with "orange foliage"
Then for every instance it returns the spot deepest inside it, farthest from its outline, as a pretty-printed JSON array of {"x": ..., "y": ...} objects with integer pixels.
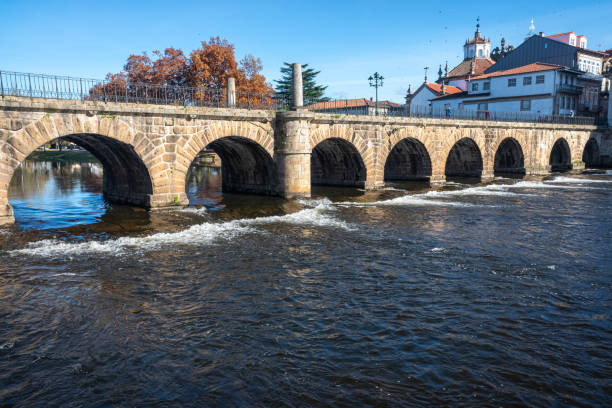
[
  {"x": 250, "y": 79},
  {"x": 212, "y": 64},
  {"x": 206, "y": 68},
  {"x": 168, "y": 68},
  {"x": 115, "y": 84}
]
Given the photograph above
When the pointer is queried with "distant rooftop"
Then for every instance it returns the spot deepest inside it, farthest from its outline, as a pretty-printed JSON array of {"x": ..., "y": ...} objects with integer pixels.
[
  {"x": 535, "y": 67},
  {"x": 352, "y": 103}
]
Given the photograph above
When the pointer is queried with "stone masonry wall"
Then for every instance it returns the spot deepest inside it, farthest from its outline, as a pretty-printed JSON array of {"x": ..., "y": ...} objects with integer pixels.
[{"x": 146, "y": 150}]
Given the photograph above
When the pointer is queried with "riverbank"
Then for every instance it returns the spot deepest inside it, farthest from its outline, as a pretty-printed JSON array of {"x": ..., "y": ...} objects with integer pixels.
[{"x": 64, "y": 156}]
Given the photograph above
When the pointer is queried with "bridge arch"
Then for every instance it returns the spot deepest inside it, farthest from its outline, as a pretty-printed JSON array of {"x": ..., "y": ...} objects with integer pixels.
[
  {"x": 336, "y": 162},
  {"x": 407, "y": 158},
  {"x": 560, "y": 156},
  {"x": 246, "y": 150},
  {"x": 509, "y": 157},
  {"x": 590, "y": 153},
  {"x": 464, "y": 159},
  {"x": 122, "y": 153},
  {"x": 340, "y": 157}
]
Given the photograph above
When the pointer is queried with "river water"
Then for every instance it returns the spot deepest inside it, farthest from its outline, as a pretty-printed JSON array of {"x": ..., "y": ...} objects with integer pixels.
[{"x": 493, "y": 294}]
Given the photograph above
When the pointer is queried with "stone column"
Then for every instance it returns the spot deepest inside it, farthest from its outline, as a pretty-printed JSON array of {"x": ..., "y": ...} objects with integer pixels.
[
  {"x": 292, "y": 152},
  {"x": 298, "y": 91},
  {"x": 230, "y": 92}
]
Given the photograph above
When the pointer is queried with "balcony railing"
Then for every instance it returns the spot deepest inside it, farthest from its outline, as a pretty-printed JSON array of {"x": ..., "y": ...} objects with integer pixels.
[{"x": 569, "y": 88}]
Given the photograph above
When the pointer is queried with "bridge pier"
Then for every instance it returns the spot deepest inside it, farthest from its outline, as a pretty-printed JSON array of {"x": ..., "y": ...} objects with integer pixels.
[
  {"x": 292, "y": 153},
  {"x": 487, "y": 175},
  {"x": 6, "y": 213},
  {"x": 437, "y": 179},
  {"x": 161, "y": 201}
]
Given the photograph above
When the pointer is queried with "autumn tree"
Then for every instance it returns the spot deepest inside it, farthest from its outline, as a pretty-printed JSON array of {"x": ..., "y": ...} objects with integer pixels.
[
  {"x": 250, "y": 78},
  {"x": 113, "y": 85},
  {"x": 312, "y": 92},
  {"x": 212, "y": 64},
  {"x": 168, "y": 68},
  {"x": 207, "y": 68}
]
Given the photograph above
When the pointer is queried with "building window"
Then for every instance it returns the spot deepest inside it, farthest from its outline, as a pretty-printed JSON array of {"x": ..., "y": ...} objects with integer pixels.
[
  {"x": 527, "y": 80},
  {"x": 582, "y": 44},
  {"x": 511, "y": 82},
  {"x": 475, "y": 87},
  {"x": 539, "y": 79},
  {"x": 572, "y": 41},
  {"x": 480, "y": 53},
  {"x": 526, "y": 105},
  {"x": 486, "y": 86}
]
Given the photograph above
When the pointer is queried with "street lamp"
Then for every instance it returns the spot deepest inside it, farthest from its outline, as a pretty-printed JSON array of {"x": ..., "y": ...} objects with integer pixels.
[{"x": 376, "y": 81}]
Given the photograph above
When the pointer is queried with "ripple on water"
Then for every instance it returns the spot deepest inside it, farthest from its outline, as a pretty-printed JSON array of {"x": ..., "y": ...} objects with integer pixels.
[
  {"x": 497, "y": 302},
  {"x": 200, "y": 234}
]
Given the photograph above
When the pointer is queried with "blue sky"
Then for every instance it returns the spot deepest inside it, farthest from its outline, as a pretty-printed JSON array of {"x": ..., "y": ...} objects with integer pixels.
[{"x": 346, "y": 40}]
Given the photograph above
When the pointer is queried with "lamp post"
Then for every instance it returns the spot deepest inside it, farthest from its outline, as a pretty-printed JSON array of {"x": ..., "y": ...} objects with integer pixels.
[{"x": 376, "y": 81}]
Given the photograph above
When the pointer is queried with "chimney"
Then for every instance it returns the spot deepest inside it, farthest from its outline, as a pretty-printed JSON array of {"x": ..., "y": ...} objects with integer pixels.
[
  {"x": 541, "y": 33},
  {"x": 443, "y": 89}
]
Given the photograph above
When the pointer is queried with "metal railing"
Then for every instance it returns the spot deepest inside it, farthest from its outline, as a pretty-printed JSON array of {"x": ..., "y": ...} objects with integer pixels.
[
  {"x": 569, "y": 88},
  {"x": 341, "y": 107},
  {"x": 85, "y": 89}
]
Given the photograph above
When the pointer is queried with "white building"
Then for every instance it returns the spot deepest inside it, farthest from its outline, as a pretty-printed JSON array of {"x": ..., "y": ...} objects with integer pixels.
[
  {"x": 551, "y": 50},
  {"x": 538, "y": 88},
  {"x": 361, "y": 106},
  {"x": 419, "y": 101}
]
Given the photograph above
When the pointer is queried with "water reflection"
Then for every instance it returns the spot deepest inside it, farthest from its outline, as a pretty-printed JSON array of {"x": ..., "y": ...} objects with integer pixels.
[
  {"x": 204, "y": 185},
  {"x": 47, "y": 194}
]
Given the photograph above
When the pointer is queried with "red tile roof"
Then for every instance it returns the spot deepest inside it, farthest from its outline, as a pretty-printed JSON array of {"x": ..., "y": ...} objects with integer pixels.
[
  {"x": 558, "y": 35},
  {"x": 352, "y": 103},
  {"x": 535, "y": 67},
  {"x": 474, "y": 40},
  {"x": 464, "y": 69},
  {"x": 437, "y": 88}
]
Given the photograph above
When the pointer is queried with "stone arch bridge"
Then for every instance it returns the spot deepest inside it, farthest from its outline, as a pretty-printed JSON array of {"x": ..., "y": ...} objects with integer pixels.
[{"x": 146, "y": 150}]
